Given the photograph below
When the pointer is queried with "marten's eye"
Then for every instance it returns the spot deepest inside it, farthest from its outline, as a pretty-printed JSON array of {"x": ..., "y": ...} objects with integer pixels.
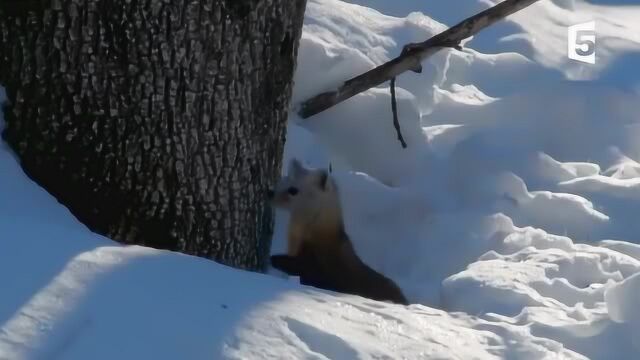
[{"x": 292, "y": 191}]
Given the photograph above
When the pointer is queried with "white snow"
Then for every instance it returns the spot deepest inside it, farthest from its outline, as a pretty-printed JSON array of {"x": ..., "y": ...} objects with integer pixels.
[{"x": 510, "y": 219}]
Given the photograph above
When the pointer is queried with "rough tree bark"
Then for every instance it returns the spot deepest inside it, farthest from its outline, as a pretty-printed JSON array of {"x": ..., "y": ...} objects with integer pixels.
[{"x": 157, "y": 122}]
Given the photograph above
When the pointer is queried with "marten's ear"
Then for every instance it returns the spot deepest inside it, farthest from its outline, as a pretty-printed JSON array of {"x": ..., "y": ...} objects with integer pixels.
[
  {"x": 296, "y": 168},
  {"x": 325, "y": 182}
]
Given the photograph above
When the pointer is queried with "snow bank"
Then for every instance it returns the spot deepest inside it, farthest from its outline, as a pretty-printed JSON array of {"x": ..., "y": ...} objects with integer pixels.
[
  {"x": 540, "y": 33},
  {"x": 343, "y": 328},
  {"x": 515, "y": 179},
  {"x": 70, "y": 294}
]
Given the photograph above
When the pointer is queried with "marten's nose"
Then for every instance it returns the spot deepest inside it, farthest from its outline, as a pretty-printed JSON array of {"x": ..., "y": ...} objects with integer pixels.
[{"x": 270, "y": 194}]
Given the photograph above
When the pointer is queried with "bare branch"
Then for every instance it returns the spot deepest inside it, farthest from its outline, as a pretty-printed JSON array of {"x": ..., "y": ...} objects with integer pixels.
[
  {"x": 411, "y": 57},
  {"x": 394, "y": 110}
]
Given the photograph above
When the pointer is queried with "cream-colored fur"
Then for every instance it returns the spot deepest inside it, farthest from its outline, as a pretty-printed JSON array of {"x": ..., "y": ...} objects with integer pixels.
[{"x": 315, "y": 210}]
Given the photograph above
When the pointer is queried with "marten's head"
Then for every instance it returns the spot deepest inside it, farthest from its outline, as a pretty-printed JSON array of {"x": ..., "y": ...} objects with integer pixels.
[{"x": 307, "y": 193}]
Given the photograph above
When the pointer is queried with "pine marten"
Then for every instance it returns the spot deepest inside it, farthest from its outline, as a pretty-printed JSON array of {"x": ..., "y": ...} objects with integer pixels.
[{"x": 319, "y": 250}]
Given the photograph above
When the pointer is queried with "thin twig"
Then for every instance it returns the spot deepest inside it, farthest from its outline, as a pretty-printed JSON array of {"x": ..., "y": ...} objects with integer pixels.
[
  {"x": 394, "y": 109},
  {"x": 411, "y": 57}
]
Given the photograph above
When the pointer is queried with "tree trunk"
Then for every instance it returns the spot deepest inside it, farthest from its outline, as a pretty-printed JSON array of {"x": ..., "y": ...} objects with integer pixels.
[{"x": 157, "y": 122}]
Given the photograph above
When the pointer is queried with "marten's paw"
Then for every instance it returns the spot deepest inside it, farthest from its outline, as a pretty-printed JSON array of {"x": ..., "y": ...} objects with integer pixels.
[
  {"x": 288, "y": 264},
  {"x": 306, "y": 268}
]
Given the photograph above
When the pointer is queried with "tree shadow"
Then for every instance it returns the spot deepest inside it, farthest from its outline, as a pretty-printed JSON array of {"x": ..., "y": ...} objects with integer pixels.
[
  {"x": 135, "y": 302},
  {"x": 38, "y": 236}
]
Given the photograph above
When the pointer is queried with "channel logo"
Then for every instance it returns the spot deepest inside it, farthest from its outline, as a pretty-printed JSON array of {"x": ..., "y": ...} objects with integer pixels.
[{"x": 581, "y": 42}]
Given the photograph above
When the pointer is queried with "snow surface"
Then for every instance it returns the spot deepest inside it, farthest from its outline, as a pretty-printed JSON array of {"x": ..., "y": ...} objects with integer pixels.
[{"x": 510, "y": 219}]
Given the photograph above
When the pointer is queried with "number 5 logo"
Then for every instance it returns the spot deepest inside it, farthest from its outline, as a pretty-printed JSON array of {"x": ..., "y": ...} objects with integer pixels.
[{"x": 581, "y": 42}]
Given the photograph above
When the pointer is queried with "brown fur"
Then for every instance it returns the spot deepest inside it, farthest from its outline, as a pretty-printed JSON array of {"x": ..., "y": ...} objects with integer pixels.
[{"x": 319, "y": 250}]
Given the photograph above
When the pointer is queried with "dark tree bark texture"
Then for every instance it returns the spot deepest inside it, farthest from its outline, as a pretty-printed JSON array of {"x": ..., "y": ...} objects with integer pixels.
[{"x": 157, "y": 122}]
